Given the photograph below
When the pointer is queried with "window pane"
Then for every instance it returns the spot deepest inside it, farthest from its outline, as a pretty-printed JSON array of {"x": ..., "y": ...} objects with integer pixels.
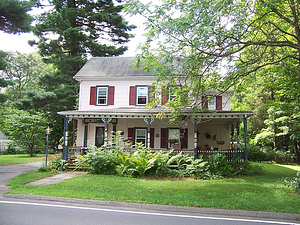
[
  {"x": 142, "y": 91},
  {"x": 174, "y": 134},
  {"x": 141, "y": 133},
  {"x": 102, "y": 91},
  {"x": 212, "y": 103},
  {"x": 142, "y": 100},
  {"x": 102, "y": 101}
]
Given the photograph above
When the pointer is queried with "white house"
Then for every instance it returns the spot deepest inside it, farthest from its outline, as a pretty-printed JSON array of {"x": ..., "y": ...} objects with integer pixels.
[{"x": 113, "y": 95}]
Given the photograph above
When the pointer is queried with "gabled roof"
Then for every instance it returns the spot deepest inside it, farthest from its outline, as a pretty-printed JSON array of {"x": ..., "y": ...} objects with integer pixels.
[
  {"x": 110, "y": 67},
  {"x": 2, "y": 136}
]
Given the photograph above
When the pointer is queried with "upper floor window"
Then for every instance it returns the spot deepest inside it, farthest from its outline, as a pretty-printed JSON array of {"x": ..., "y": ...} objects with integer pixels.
[
  {"x": 172, "y": 90},
  {"x": 141, "y": 95},
  {"x": 211, "y": 103},
  {"x": 102, "y": 95}
]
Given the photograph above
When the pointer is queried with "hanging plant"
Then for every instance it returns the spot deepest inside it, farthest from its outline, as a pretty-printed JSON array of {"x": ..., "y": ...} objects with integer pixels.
[{"x": 207, "y": 135}]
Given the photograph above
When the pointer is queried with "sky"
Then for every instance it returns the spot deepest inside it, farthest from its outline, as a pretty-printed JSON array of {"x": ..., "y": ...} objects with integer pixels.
[{"x": 19, "y": 42}]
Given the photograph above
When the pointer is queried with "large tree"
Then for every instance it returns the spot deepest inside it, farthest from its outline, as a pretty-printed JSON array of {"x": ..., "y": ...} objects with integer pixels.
[
  {"x": 14, "y": 15},
  {"x": 68, "y": 33},
  {"x": 240, "y": 37}
]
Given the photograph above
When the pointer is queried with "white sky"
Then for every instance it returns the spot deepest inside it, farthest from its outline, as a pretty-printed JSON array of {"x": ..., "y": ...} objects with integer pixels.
[{"x": 9, "y": 42}]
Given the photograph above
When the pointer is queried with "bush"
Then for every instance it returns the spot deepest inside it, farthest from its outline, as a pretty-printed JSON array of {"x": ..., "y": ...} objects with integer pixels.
[
  {"x": 292, "y": 182},
  {"x": 115, "y": 159},
  {"x": 58, "y": 164},
  {"x": 219, "y": 166}
]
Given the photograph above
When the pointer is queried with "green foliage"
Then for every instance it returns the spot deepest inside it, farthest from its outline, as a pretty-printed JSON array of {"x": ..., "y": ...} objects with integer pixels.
[
  {"x": 26, "y": 130},
  {"x": 58, "y": 164},
  {"x": 292, "y": 182},
  {"x": 14, "y": 16},
  {"x": 219, "y": 166},
  {"x": 114, "y": 159}
]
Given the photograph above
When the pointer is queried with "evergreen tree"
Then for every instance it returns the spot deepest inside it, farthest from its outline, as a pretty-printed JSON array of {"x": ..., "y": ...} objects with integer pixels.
[{"x": 70, "y": 32}]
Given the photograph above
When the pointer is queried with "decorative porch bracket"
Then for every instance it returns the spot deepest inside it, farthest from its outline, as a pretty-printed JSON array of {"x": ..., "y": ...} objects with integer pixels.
[
  {"x": 196, "y": 121},
  {"x": 65, "y": 146},
  {"x": 148, "y": 121}
]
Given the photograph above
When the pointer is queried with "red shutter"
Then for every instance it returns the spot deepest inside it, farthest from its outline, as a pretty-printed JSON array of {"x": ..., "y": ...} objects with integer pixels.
[
  {"x": 131, "y": 134},
  {"x": 164, "y": 137},
  {"x": 92, "y": 95},
  {"x": 204, "y": 102},
  {"x": 132, "y": 95},
  {"x": 151, "y": 94},
  {"x": 151, "y": 137},
  {"x": 111, "y": 95},
  {"x": 164, "y": 95},
  {"x": 219, "y": 102},
  {"x": 184, "y": 140}
]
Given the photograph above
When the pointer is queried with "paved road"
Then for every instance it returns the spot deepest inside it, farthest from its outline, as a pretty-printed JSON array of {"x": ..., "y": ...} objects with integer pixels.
[
  {"x": 28, "y": 213},
  {"x": 11, "y": 171},
  {"x": 31, "y": 209}
]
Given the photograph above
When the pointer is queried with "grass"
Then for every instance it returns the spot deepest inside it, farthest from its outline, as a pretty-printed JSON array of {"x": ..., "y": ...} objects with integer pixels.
[
  {"x": 20, "y": 158},
  {"x": 259, "y": 192}
]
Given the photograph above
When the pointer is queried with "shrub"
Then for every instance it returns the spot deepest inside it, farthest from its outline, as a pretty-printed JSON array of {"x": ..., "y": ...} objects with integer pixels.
[
  {"x": 219, "y": 166},
  {"x": 59, "y": 164},
  {"x": 292, "y": 182}
]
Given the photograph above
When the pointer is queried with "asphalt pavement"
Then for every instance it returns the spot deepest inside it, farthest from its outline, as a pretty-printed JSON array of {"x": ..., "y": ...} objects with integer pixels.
[{"x": 8, "y": 172}]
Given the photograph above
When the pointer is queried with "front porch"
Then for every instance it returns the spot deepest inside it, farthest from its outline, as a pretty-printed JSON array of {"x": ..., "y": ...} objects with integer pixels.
[{"x": 203, "y": 134}]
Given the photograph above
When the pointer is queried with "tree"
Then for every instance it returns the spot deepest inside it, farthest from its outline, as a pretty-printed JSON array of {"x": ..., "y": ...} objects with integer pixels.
[
  {"x": 14, "y": 18},
  {"x": 14, "y": 15},
  {"x": 23, "y": 72},
  {"x": 27, "y": 130},
  {"x": 198, "y": 36}
]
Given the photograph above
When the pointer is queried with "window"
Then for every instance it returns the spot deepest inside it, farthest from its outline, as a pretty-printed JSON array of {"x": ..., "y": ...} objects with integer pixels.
[
  {"x": 174, "y": 136},
  {"x": 212, "y": 103},
  {"x": 172, "y": 91},
  {"x": 102, "y": 95},
  {"x": 141, "y": 95},
  {"x": 141, "y": 136}
]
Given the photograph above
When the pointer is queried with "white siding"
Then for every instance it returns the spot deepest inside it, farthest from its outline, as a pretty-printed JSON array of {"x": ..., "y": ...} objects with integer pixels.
[{"x": 121, "y": 92}]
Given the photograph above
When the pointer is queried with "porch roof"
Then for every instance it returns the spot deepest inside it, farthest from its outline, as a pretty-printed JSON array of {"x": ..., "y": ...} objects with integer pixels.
[{"x": 227, "y": 117}]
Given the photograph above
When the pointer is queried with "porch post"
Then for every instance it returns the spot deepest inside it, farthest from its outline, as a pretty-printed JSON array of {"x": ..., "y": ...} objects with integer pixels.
[
  {"x": 85, "y": 137},
  {"x": 105, "y": 130},
  {"x": 238, "y": 135},
  {"x": 65, "y": 146},
  {"x": 148, "y": 132},
  {"x": 196, "y": 138},
  {"x": 245, "y": 133},
  {"x": 231, "y": 136}
]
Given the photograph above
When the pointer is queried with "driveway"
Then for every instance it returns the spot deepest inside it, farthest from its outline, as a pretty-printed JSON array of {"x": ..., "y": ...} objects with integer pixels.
[{"x": 11, "y": 171}]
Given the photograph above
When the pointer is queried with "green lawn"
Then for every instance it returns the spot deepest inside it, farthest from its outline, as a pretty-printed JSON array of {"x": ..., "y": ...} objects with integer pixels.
[
  {"x": 20, "y": 158},
  {"x": 260, "y": 192}
]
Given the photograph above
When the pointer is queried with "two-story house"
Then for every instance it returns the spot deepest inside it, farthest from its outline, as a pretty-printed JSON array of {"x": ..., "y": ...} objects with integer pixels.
[{"x": 113, "y": 96}]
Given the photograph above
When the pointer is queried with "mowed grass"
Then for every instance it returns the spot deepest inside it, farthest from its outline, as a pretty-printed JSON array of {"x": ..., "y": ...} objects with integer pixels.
[
  {"x": 20, "y": 158},
  {"x": 258, "y": 193}
]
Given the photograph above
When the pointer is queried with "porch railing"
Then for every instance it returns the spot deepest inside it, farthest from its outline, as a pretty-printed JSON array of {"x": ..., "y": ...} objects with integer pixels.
[{"x": 230, "y": 153}]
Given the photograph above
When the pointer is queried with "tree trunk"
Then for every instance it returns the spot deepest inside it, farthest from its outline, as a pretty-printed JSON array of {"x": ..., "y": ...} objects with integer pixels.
[{"x": 297, "y": 151}]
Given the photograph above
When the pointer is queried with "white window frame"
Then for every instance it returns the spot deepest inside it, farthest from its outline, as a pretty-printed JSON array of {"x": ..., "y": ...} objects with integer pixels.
[
  {"x": 105, "y": 97},
  {"x": 173, "y": 136},
  {"x": 139, "y": 96},
  {"x": 144, "y": 138},
  {"x": 171, "y": 93},
  {"x": 212, "y": 102}
]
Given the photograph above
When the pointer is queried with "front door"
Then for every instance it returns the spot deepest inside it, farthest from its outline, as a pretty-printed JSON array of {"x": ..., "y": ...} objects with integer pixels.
[{"x": 99, "y": 139}]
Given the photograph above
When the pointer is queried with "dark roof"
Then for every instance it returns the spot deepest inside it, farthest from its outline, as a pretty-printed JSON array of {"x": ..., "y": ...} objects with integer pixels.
[{"x": 110, "y": 67}]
